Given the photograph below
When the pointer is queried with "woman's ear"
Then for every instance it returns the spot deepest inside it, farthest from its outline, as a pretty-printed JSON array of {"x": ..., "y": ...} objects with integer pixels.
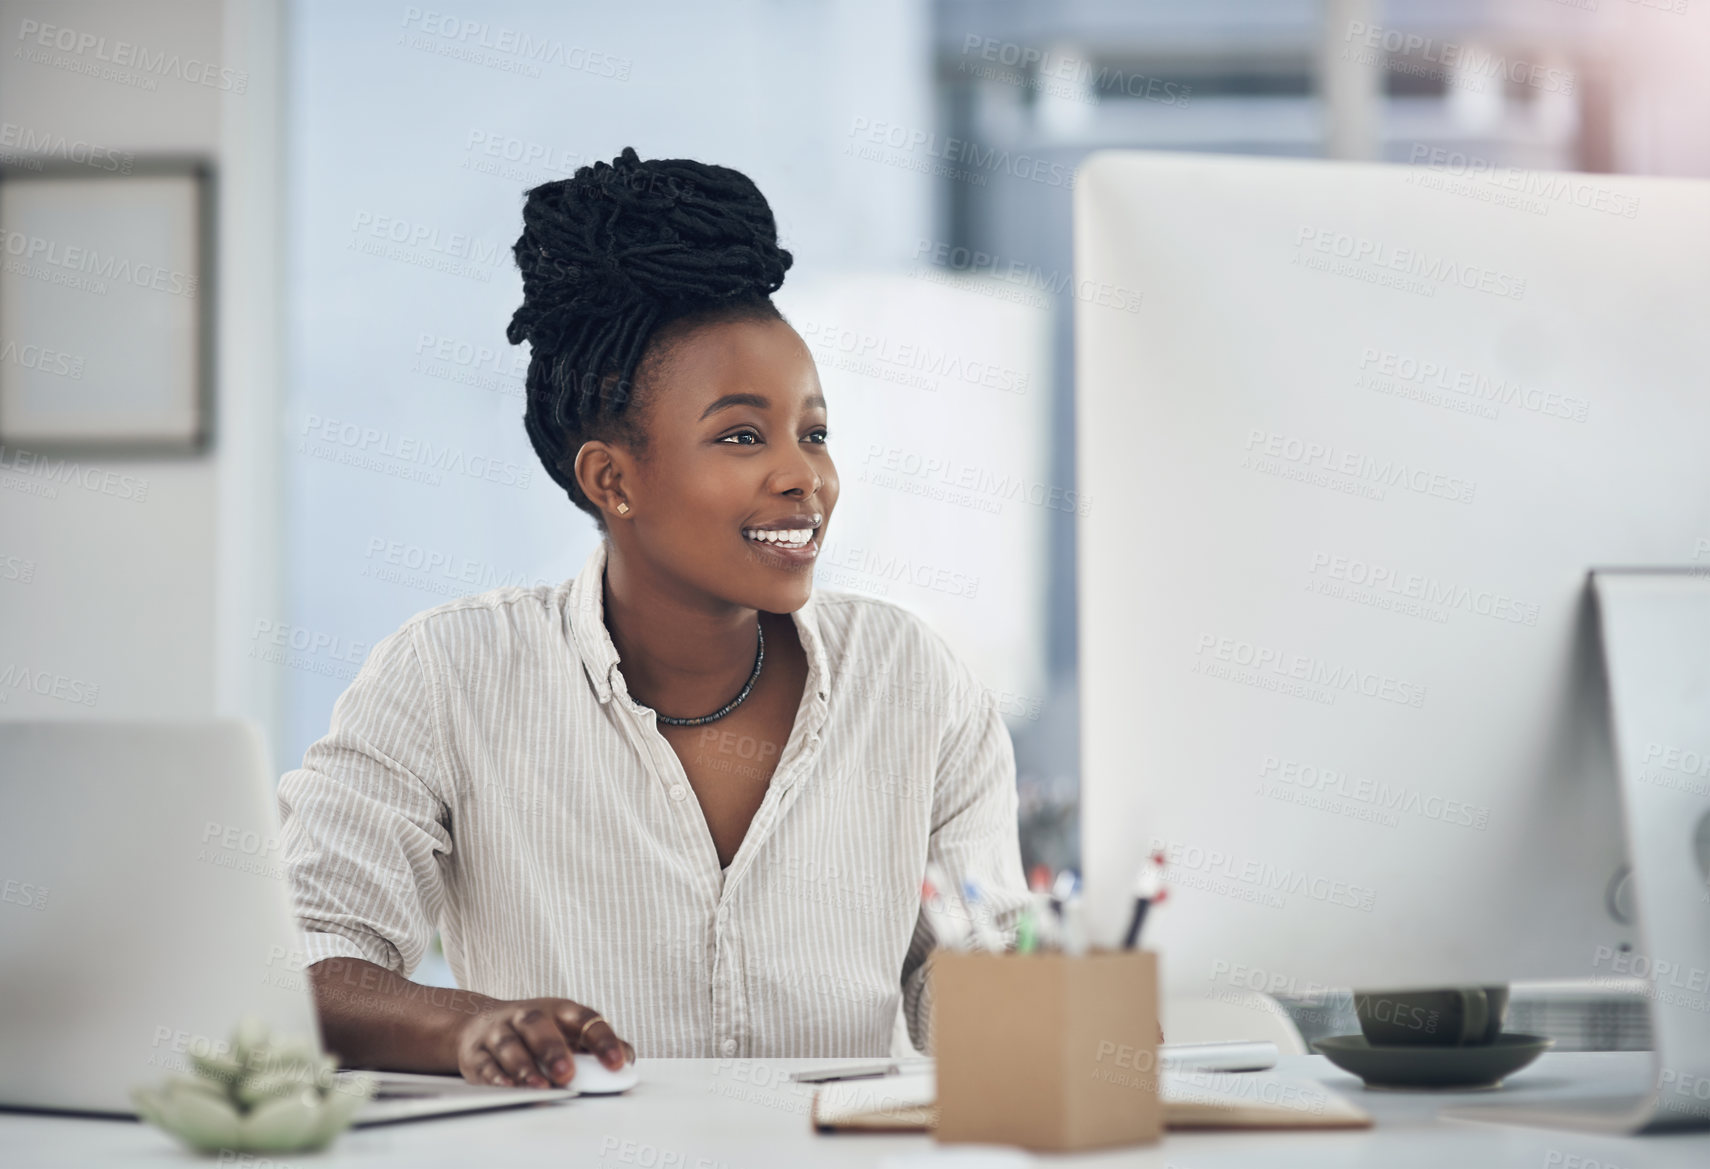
[{"x": 600, "y": 474}]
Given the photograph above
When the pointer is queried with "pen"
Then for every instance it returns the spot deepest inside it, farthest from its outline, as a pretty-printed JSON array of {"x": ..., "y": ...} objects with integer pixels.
[
  {"x": 950, "y": 934},
  {"x": 1148, "y": 888},
  {"x": 1069, "y": 924},
  {"x": 1055, "y": 926},
  {"x": 1063, "y": 888},
  {"x": 863, "y": 1071},
  {"x": 986, "y": 936},
  {"x": 1074, "y": 926},
  {"x": 956, "y": 912},
  {"x": 1046, "y": 934}
]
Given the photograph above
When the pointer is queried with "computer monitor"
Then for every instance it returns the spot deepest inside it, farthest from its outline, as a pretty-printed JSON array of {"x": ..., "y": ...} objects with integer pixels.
[{"x": 1351, "y": 460}]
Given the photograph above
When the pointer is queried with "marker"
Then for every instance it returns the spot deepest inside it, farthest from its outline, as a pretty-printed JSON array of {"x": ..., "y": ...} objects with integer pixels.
[
  {"x": 1039, "y": 878},
  {"x": 1025, "y": 939}
]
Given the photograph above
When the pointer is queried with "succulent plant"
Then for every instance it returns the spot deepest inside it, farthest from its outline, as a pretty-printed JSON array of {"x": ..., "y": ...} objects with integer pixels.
[{"x": 254, "y": 1095}]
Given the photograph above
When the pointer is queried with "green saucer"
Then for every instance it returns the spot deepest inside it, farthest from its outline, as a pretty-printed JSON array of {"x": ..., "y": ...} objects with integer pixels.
[{"x": 1433, "y": 1067}]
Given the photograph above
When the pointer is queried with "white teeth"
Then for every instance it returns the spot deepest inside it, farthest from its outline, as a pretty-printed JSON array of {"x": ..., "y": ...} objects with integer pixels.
[{"x": 796, "y": 537}]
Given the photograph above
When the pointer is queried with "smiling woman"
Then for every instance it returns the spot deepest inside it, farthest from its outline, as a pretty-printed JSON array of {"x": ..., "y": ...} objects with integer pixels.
[{"x": 775, "y": 913}]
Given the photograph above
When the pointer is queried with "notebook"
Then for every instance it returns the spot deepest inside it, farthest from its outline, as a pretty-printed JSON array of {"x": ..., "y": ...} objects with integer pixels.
[{"x": 1192, "y": 1100}]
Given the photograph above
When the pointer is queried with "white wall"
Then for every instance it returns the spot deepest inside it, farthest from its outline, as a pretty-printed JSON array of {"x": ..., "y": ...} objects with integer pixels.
[
  {"x": 938, "y": 401},
  {"x": 135, "y": 596}
]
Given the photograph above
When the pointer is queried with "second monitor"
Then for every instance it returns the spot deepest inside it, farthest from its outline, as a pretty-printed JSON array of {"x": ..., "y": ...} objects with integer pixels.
[{"x": 1349, "y": 468}]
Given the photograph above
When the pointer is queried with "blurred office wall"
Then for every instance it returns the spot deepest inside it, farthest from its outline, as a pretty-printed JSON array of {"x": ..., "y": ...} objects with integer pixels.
[{"x": 128, "y": 585}]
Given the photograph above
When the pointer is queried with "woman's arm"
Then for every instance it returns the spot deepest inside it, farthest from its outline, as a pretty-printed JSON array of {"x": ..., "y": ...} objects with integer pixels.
[
  {"x": 366, "y": 829},
  {"x": 374, "y": 1018}
]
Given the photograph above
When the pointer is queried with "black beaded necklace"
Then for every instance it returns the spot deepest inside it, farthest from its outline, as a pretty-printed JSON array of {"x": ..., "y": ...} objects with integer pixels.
[{"x": 759, "y": 657}]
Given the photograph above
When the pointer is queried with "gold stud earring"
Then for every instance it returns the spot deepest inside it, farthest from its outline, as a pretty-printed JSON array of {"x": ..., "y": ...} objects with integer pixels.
[{"x": 622, "y": 508}]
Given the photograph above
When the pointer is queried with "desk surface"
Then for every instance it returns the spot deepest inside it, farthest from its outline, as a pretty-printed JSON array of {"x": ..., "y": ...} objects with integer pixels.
[{"x": 746, "y": 1114}]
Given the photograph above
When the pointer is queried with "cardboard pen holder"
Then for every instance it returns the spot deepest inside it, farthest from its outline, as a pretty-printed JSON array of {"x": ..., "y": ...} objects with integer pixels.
[{"x": 1046, "y": 1051}]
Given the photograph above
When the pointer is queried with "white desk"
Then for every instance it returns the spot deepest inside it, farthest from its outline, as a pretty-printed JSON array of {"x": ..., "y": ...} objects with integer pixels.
[{"x": 740, "y": 1114}]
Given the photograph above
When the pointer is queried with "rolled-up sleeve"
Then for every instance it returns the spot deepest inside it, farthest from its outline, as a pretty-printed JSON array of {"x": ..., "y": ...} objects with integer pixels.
[
  {"x": 975, "y": 835},
  {"x": 364, "y": 823}
]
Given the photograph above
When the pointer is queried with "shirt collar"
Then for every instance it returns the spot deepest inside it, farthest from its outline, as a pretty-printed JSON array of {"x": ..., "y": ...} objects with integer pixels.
[{"x": 599, "y": 655}]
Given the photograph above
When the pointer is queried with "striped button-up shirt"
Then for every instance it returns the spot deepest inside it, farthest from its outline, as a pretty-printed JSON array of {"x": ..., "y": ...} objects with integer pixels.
[{"x": 488, "y": 773}]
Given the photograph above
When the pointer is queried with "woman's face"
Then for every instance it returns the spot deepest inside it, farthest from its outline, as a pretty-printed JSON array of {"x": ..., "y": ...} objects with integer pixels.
[{"x": 736, "y": 445}]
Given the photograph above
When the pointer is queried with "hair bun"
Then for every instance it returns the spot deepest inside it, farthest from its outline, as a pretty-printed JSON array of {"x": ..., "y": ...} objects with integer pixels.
[{"x": 640, "y": 240}]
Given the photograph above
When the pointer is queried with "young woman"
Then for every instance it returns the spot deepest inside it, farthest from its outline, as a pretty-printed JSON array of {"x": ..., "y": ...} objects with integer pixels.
[{"x": 679, "y": 805}]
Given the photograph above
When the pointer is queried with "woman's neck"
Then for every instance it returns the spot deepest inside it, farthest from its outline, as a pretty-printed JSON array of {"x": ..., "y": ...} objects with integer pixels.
[{"x": 684, "y": 655}]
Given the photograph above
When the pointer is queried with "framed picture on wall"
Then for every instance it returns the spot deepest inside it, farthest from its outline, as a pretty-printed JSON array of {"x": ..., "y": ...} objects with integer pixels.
[{"x": 106, "y": 318}]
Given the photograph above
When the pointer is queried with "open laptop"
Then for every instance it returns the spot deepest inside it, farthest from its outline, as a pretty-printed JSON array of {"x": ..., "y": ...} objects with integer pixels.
[{"x": 144, "y": 910}]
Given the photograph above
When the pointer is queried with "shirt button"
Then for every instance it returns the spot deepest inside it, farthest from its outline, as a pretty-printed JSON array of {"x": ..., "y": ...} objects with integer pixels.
[
  {"x": 679, "y": 792},
  {"x": 729, "y": 1047}
]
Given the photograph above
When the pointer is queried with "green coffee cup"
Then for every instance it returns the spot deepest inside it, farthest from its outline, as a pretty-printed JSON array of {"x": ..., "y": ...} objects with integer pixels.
[{"x": 1456, "y": 1016}]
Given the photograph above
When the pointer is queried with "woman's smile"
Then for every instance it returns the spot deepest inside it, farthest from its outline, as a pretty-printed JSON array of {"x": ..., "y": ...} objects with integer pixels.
[{"x": 791, "y": 542}]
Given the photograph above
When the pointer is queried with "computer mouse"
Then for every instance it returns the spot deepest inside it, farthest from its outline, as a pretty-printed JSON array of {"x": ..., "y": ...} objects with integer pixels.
[{"x": 593, "y": 1078}]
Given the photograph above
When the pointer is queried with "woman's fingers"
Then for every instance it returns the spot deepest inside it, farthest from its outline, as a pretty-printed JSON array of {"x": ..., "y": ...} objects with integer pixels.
[
  {"x": 514, "y": 1057},
  {"x": 596, "y": 1036},
  {"x": 484, "y": 1069},
  {"x": 545, "y": 1042},
  {"x": 605, "y": 1044},
  {"x": 529, "y": 1043}
]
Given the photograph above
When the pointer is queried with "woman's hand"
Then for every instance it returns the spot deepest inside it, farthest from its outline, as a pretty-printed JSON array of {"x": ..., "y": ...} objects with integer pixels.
[{"x": 527, "y": 1043}]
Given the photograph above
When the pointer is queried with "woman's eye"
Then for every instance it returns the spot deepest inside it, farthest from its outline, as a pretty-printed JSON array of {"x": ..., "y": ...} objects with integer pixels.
[{"x": 750, "y": 437}]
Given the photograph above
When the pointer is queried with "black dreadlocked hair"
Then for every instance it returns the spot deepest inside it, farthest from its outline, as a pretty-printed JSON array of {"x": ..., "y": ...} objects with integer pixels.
[{"x": 609, "y": 258}]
